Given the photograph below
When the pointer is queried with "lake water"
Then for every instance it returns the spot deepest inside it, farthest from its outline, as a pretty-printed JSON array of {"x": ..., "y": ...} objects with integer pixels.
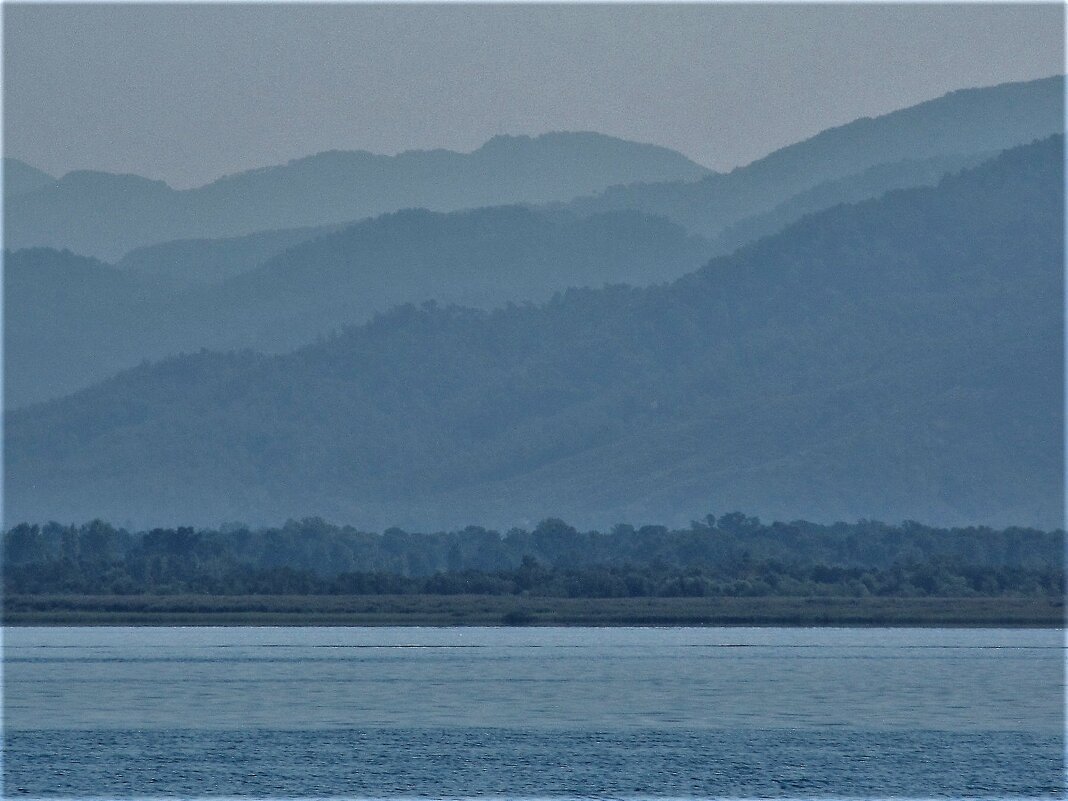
[{"x": 533, "y": 713}]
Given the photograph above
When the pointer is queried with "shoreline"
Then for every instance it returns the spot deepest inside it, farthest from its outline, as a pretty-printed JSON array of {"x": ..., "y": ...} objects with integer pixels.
[{"x": 483, "y": 610}]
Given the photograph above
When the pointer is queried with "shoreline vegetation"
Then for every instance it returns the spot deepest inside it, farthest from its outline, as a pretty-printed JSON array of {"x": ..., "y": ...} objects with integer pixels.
[
  {"x": 484, "y": 610},
  {"x": 720, "y": 571}
]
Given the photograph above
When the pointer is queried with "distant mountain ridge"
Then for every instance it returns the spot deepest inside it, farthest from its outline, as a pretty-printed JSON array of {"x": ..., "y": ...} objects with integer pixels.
[
  {"x": 185, "y": 263},
  {"x": 268, "y": 291},
  {"x": 962, "y": 122},
  {"x": 106, "y": 215},
  {"x": 898, "y": 358},
  {"x": 276, "y": 290},
  {"x": 869, "y": 183}
]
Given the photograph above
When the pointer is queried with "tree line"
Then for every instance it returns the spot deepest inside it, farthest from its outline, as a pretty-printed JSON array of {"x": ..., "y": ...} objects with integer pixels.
[{"x": 732, "y": 555}]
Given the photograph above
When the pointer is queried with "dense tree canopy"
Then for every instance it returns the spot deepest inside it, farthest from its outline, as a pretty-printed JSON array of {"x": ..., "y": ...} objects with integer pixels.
[{"x": 733, "y": 555}]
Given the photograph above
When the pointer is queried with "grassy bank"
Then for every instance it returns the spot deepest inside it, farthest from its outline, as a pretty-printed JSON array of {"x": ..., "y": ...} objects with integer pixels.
[{"x": 481, "y": 610}]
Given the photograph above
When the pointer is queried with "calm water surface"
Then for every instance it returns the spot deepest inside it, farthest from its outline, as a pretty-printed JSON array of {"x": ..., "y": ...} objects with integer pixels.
[{"x": 498, "y": 712}]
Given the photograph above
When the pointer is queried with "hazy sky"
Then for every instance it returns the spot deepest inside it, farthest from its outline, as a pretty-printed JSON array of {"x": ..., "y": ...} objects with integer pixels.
[{"x": 189, "y": 92}]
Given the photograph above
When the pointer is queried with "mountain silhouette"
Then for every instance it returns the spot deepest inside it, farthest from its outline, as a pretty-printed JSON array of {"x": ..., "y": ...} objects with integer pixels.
[
  {"x": 71, "y": 320},
  {"x": 105, "y": 215},
  {"x": 966, "y": 121},
  {"x": 902, "y": 357},
  {"x": 187, "y": 263}
]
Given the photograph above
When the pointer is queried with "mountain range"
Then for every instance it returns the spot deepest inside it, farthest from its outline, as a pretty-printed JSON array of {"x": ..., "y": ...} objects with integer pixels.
[
  {"x": 963, "y": 122},
  {"x": 898, "y": 357},
  {"x": 107, "y": 215},
  {"x": 72, "y": 320},
  {"x": 276, "y": 289}
]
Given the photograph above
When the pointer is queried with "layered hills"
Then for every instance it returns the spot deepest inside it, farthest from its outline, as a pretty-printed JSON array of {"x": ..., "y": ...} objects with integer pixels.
[
  {"x": 106, "y": 215},
  {"x": 900, "y": 357},
  {"x": 277, "y": 289},
  {"x": 966, "y": 121},
  {"x": 72, "y": 320}
]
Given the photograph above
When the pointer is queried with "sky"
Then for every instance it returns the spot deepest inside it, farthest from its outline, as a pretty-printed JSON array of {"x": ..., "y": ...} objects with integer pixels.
[{"x": 186, "y": 93}]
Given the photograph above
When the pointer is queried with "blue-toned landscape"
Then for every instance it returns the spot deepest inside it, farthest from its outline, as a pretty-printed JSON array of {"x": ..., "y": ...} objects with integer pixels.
[
  {"x": 533, "y": 713},
  {"x": 533, "y": 401}
]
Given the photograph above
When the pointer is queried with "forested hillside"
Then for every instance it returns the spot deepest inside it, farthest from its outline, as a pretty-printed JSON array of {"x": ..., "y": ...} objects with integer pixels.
[
  {"x": 483, "y": 258},
  {"x": 72, "y": 321},
  {"x": 275, "y": 290},
  {"x": 900, "y": 358}
]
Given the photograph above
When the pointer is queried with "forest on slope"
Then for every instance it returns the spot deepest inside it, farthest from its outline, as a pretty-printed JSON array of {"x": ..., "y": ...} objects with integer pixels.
[
  {"x": 72, "y": 321},
  {"x": 902, "y": 357}
]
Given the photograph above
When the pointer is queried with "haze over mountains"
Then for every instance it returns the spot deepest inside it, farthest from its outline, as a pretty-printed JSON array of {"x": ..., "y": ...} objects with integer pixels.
[
  {"x": 878, "y": 332},
  {"x": 20, "y": 178},
  {"x": 105, "y": 215},
  {"x": 962, "y": 122},
  {"x": 277, "y": 289},
  {"x": 901, "y": 357},
  {"x": 869, "y": 183},
  {"x": 72, "y": 320},
  {"x": 184, "y": 263}
]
